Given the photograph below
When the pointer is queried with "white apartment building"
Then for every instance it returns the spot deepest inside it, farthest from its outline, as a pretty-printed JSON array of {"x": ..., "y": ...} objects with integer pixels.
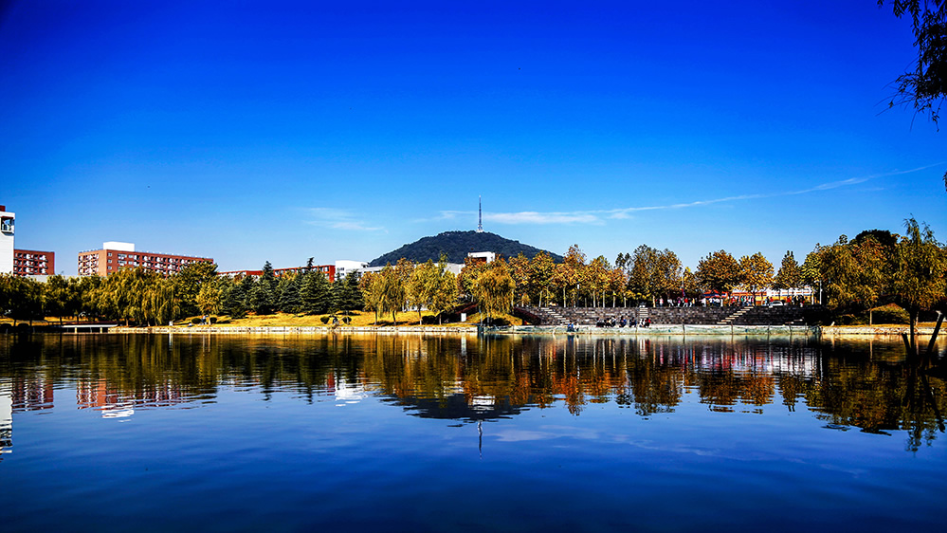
[{"x": 7, "y": 220}]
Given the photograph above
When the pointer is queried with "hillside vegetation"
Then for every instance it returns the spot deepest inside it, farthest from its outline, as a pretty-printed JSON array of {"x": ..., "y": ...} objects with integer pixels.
[{"x": 456, "y": 245}]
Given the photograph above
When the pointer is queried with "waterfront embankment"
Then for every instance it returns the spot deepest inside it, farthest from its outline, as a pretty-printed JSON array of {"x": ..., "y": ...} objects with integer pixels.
[{"x": 654, "y": 330}]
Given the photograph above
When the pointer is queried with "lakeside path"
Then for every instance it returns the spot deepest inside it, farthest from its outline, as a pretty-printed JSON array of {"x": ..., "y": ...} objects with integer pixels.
[{"x": 891, "y": 330}]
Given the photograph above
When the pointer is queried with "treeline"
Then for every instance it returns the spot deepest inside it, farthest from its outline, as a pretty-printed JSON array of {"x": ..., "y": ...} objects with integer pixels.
[
  {"x": 144, "y": 297},
  {"x": 875, "y": 268}
]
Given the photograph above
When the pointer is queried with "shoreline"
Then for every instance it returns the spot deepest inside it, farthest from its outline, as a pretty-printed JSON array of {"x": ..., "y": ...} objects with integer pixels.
[{"x": 654, "y": 330}]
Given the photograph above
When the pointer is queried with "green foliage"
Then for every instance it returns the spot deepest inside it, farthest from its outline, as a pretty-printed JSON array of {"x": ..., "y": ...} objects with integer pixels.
[
  {"x": 756, "y": 272},
  {"x": 455, "y": 245},
  {"x": 920, "y": 269},
  {"x": 493, "y": 289},
  {"x": 541, "y": 271},
  {"x": 263, "y": 296},
  {"x": 290, "y": 300},
  {"x": 235, "y": 296},
  {"x": 188, "y": 283},
  {"x": 890, "y": 314},
  {"x": 21, "y": 298},
  {"x": 349, "y": 296},
  {"x": 790, "y": 273},
  {"x": 719, "y": 271},
  {"x": 855, "y": 275},
  {"x": 314, "y": 293}
]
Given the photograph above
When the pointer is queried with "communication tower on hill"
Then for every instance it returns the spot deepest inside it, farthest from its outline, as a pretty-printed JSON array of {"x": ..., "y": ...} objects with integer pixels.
[{"x": 480, "y": 215}]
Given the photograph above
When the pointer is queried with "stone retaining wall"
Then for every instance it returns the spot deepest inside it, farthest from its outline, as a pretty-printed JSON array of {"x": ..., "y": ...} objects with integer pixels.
[
  {"x": 683, "y": 330},
  {"x": 212, "y": 330},
  {"x": 874, "y": 330}
]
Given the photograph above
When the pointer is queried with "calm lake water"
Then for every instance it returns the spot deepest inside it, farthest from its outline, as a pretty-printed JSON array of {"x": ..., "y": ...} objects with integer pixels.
[{"x": 438, "y": 433}]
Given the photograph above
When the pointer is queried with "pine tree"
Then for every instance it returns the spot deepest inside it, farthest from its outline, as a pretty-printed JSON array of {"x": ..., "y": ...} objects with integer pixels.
[
  {"x": 290, "y": 301},
  {"x": 314, "y": 293},
  {"x": 264, "y": 296}
]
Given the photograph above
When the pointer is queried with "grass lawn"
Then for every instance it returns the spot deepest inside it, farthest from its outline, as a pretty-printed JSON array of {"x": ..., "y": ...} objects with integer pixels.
[{"x": 358, "y": 319}]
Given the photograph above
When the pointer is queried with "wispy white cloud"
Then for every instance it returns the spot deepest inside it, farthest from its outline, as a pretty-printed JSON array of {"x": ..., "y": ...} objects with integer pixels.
[
  {"x": 534, "y": 217},
  {"x": 341, "y": 219},
  {"x": 600, "y": 216}
]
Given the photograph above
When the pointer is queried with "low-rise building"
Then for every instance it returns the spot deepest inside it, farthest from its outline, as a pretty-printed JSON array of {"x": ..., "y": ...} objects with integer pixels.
[
  {"x": 328, "y": 270},
  {"x": 115, "y": 256},
  {"x": 33, "y": 263},
  {"x": 344, "y": 267}
]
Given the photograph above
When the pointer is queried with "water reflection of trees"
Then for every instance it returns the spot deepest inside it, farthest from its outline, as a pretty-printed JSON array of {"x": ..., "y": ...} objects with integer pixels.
[{"x": 851, "y": 384}]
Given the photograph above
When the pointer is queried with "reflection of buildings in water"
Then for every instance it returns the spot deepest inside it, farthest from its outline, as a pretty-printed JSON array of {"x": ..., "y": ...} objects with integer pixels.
[
  {"x": 6, "y": 418},
  {"x": 457, "y": 406},
  {"x": 345, "y": 392},
  {"x": 114, "y": 403},
  {"x": 35, "y": 394}
]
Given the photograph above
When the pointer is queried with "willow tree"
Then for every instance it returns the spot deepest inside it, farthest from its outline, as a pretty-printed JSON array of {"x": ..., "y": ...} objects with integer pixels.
[
  {"x": 442, "y": 289},
  {"x": 372, "y": 287},
  {"x": 494, "y": 288},
  {"x": 920, "y": 269},
  {"x": 855, "y": 275},
  {"x": 419, "y": 287}
]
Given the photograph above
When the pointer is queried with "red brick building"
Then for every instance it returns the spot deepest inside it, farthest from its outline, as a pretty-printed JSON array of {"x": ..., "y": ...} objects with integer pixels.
[
  {"x": 328, "y": 270},
  {"x": 33, "y": 263},
  {"x": 115, "y": 256}
]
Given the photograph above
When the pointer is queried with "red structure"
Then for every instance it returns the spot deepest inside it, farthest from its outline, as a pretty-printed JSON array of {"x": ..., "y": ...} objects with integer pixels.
[
  {"x": 33, "y": 263},
  {"x": 112, "y": 259},
  {"x": 328, "y": 270}
]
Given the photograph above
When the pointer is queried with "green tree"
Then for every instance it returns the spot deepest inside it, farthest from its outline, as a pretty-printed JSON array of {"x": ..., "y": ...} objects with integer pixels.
[
  {"x": 719, "y": 271},
  {"x": 210, "y": 297},
  {"x": 443, "y": 290},
  {"x": 392, "y": 292},
  {"x": 290, "y": 300},
  {"x": 494, "y": 289},
  {"x": 263, "y": 296},
  {"x": 236, "y": 298},
  {"x": 22, "y": 298},
  {"x": 315, "y": 293},
  {"x": 58, "y": 295},
  {"x": 812, "y": 270},
  {"x": 756, "y": 273},
  {"x": 920, "y": 269},
  {"x": 420, "y": 286},
  {"x": 519, "y": 269},
  {"x": 350, "y": 298},
  {"x": 541, "y": 271},
  {"x": 854, "y": 275},
  {"x": 189, "y": 281},
  {"x": 668, "y": 278},
  {"x": 789, "y": 275},
  {"x": 570, "y": 273},
  {"x": 596, "y": 279},
  {"x": 642, "y": 274},
  {"x": 372, "y": 287}
]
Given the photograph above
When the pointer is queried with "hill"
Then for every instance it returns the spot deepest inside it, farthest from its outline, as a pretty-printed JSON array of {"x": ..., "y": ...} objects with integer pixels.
[{"x": 456, "y": 244}]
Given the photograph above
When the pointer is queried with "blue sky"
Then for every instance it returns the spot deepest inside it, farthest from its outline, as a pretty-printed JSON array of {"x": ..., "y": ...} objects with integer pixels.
[{"x": 255, "y": 131}]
